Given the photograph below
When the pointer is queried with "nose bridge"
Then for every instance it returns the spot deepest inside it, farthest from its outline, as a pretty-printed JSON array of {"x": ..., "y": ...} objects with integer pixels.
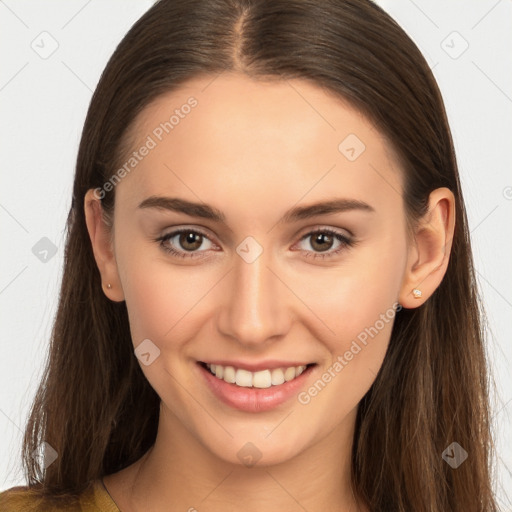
[{"x": 254, "y": 310}]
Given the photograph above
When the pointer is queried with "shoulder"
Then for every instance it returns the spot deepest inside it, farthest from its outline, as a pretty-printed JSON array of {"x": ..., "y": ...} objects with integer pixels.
[
  {"x": 19, "y": 499},
  {"x": 26, "y": 499}
]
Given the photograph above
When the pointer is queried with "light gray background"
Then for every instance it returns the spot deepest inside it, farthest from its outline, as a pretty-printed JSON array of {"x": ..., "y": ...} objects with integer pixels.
[{"x": 43, "y": 102}]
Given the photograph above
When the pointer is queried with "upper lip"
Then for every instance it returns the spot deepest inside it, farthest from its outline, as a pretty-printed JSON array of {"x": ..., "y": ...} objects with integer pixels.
[{"x": 269, "y": 364}]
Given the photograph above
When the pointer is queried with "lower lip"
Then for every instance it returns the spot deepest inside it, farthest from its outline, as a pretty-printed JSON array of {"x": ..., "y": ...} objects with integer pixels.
[{"x": 254, "y": 399}]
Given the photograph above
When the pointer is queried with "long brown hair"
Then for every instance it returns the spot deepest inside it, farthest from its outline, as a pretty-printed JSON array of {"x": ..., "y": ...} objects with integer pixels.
[{"x": 94, "y": 405}]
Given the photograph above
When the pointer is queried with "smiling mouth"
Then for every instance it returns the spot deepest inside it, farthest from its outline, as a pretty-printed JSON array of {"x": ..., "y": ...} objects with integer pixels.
[{"x": 260, "y": 379}]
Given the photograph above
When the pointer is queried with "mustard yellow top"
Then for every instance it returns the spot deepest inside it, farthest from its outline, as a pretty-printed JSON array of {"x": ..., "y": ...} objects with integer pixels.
[{"x": 22, "y": 499}]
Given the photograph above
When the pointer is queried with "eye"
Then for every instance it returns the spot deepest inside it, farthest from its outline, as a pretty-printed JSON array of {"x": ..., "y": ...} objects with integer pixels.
[
  {"x": 186, "y": 242},
  {"x": 188, "y": 239},
  {"x": 322, "y": 240}
]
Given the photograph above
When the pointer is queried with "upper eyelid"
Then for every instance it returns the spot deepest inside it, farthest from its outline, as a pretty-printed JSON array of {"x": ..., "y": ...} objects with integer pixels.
[
  {"x": 339, "y": 231},
  {"x": 176, "y": 231}
]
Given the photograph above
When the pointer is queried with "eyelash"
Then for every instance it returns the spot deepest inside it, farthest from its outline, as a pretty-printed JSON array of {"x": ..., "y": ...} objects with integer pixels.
[{"x": 345, "y": 242}]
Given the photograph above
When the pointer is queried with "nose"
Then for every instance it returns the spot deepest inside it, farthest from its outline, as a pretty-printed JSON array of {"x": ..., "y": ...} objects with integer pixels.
[{"x": 254, "y": 311}]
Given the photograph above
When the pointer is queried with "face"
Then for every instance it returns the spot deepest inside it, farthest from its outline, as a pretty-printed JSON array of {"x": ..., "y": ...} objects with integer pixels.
[{"x": 255, "y": 279}]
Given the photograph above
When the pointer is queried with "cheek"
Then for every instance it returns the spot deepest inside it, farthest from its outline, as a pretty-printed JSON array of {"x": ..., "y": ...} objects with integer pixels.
[
  {"x": 358, "y": 303},
  {"x": 161, "y": 299},
  {"x": 353, "y": 296},
  {"x": 360, "y": 312},
  {"x": 164, "y": 304}
]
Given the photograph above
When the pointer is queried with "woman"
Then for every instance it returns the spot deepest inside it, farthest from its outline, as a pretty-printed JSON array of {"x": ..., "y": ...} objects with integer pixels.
[{"x": 268, "y": 298}]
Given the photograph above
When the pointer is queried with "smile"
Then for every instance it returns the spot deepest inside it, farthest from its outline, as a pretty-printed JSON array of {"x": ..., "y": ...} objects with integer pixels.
[
  {"x": 267, "y": 386},
  {"x": 260, "y": 379}
]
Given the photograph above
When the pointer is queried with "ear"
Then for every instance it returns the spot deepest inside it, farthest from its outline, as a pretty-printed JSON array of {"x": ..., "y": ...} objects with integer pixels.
[
  {"x": 429, "y": 252},
  {"x": 102, "y": 246}
]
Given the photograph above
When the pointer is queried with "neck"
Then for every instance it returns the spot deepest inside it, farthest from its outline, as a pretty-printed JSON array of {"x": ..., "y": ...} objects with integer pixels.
[{"x": 179, "y": 473}]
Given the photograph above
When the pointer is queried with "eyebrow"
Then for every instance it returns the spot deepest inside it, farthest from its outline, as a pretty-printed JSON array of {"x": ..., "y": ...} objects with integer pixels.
[{"x": 205, "y": 211}]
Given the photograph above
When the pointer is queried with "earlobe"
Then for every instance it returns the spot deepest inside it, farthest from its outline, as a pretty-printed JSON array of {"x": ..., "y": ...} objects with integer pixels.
[
  {"x": 99, "y": 234},
  {"x": 429, "y": 255}
]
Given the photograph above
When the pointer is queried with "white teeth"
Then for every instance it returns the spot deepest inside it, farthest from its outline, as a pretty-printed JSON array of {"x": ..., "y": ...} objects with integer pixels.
[
  {"x": 243, "y": 378},
  {"x": 229, "y": 374},
  {"x": 261, "y": 379},
  {"x": 289, "y": 374},
  {"x": 277, "y": 377}
]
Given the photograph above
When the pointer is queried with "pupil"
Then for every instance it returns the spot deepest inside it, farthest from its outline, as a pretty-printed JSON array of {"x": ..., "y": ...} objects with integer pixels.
[
  {"x": 323, "y": 237},
  {"x": 190, "y": 238}
]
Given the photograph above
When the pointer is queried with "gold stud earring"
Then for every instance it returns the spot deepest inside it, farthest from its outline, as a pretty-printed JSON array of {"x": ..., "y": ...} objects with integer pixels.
[
  {"x": 109, "y": 286},
  {"x": 417, "y": 293}
]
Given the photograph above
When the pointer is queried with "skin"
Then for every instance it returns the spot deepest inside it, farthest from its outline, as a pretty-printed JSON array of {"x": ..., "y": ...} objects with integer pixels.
[{"x": 253, "y": 150}]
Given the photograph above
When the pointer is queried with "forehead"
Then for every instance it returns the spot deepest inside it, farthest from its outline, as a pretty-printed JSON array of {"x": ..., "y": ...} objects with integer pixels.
[{"x": 232, "y": 134}]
